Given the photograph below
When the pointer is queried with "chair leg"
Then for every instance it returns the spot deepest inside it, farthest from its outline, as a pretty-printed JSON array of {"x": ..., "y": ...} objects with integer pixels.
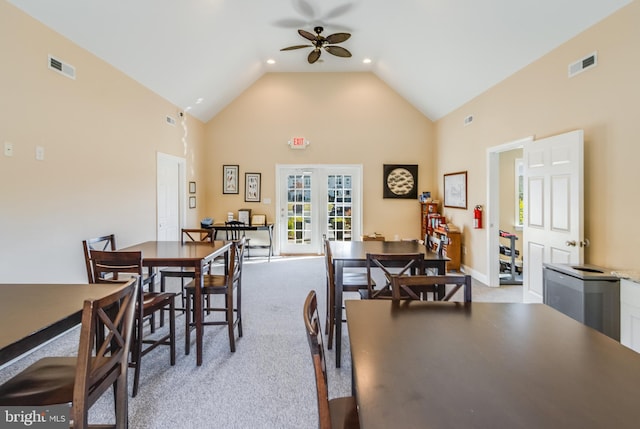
[
  {"x": 229, "y": 313},
  {"x": 239, "y": 308},
  {"x": 331, "y": 299},
  {"x": 187, "y": 330},
  {"x": 121, "y": 402},
  {"x": 172, "y": 331},
  {"x": 137, "y": 357}
]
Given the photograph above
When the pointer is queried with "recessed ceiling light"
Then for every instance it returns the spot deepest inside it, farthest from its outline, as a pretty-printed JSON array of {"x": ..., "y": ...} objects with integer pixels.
[
  {"x": 199, "y": 100},
  {"x": 367, "y": 61},
  {"x": 271, "y": 61}
]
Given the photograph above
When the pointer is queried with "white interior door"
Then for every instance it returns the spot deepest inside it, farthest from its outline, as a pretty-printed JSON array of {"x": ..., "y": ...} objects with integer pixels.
[
  {"x": 171, "y": 194},
  {"x": 317, "y": 200},
  {"x": 553, "y": 220}
]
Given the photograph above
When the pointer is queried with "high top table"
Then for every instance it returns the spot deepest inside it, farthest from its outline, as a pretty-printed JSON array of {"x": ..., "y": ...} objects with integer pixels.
[
  {"x": 434, "y": 365},
  {"x": 190, "y": 254},
  {"x": 31, "y": 314},
  {"x": 266, "y": 227},
  {"x": 354, "y": 254}
]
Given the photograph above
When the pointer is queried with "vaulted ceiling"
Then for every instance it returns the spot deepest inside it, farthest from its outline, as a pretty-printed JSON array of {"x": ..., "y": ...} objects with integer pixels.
[{"x": 201, "y": 54}]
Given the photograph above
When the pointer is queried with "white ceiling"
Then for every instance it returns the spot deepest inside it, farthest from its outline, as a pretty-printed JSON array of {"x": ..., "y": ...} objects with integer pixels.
[{"x": 437, "y": 54}]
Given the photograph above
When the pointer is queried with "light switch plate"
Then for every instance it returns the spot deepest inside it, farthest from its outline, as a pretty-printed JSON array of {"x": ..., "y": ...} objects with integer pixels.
[
  {"x": 8, "y": 149},
  {"x": 40, "y": 153}
]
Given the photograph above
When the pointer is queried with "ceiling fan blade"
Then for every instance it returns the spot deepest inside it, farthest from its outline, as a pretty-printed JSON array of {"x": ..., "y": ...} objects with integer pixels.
[
  {"x": 291, "y": 48},
  {"x": 338, "y": 11},
  {"x": 307, "y": 35},
  {"x": 314, "y": 55},
  {"x": 338, "y": 37},
  {"x": 338, "y": 51}
]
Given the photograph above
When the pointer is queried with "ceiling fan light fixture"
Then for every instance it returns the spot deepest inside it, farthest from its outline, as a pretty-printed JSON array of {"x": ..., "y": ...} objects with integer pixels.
[{"x": 318, "y": 42}]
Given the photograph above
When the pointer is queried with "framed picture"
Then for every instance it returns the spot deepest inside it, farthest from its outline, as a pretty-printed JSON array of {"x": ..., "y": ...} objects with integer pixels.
[
  {"x": 192, "y": 187},
  {"x": 400, "y": 181},
  {"x": 455, "y": 190},
  {"x": 244, "y": 216},
  {"x": 230, "y": 179},
  {"x": 192, "y": 202},
  {"x": 252, "y": 187}
]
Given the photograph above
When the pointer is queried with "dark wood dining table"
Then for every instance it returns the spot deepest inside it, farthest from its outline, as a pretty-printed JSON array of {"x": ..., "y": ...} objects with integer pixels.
[
  {"x": 432, "y": 364},
  {"x": 31, "y": 314},
  {"x": 354, "y": 254},
  {"x": 197, "y": 255}
]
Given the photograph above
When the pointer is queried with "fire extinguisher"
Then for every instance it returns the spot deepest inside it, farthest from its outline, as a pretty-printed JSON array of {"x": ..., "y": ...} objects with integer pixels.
[{"x": 477, "y": 217}]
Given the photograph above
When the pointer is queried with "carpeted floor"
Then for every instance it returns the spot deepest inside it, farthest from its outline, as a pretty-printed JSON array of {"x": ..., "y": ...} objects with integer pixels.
[{"x": 267, "y": 383}]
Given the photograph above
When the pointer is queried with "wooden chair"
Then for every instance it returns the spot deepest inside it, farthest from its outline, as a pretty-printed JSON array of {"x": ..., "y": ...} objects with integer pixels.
[
  {"x": 106, "y": 242},
  {"x": 109, "y": 267},
  {"x": 417, "y": 287},
  {"x": 198, "y": 235},
  {"x": 351, "y": 282},
  {"x": 338, "y": 412},
  {"x": 219, "y": 284},
  {"x": 235, "y": 232},
  {"x": 391, "y": 264},
  {"x": 81, "y": 380}
]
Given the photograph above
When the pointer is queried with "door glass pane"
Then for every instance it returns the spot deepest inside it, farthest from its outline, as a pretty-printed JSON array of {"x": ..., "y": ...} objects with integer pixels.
[
  {"x": 299, "y": 209},
  {"x": 339, "y": 191}
]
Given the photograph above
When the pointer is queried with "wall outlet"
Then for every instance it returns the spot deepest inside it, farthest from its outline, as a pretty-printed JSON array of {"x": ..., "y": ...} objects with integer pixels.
[
  {"x": 8, "y": 149},
  {"x": 464, "y": 250}
]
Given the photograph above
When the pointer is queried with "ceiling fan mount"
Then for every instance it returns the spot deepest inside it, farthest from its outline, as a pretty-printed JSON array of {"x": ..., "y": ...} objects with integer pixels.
[{"x": 319, "y": 42}]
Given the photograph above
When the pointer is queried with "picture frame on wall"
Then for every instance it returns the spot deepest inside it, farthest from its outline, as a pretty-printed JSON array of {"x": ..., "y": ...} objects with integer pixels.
[
  {"x": 455, "y": 190},
  {"x": 252, "y": 187},
  {"x": 400, "y": 181},
  {"x": 230, "y": 179}
]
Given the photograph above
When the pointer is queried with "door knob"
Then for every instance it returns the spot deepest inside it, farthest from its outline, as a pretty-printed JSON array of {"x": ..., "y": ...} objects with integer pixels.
[
  {"x": 571, "y": 243},
  {"x": 585, "y": 243}
]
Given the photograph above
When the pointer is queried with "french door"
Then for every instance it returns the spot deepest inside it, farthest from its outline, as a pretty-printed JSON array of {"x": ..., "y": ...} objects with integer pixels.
[{"x": 317, "y": 200}]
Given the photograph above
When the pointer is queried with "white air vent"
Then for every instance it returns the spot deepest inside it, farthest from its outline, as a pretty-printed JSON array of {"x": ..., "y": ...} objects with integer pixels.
[
  {"x": 583, "y": 64},
  {"x": 62, "y": 68},
  {"x": 468, "y": 120},
  {"x": 171, "y": 121}
]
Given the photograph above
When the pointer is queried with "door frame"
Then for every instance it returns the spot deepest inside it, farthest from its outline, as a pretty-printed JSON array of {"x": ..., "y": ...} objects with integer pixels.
[
  {"x": 357, "y": 199},
  {"x": 182, "y": 191},
  {"x": 492, "y": 210}
]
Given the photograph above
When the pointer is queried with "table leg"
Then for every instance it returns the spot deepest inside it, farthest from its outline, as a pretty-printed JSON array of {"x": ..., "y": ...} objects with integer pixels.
[
  {"x": 338, "y": 271},
  {"x": 441, "y": 267},
  {"x": 197, "y": 309}
]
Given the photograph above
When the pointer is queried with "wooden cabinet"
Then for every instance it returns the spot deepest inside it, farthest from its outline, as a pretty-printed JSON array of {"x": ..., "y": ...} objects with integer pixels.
[
  {"x": 451, "y": 245},
  {"x": 437, "y": 233}
]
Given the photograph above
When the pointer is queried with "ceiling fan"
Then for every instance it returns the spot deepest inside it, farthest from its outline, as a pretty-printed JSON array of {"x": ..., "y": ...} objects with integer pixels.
[{"x": 319, "y": 42}]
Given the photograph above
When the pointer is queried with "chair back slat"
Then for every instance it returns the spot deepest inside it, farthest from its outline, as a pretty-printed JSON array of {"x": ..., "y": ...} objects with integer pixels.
[
  {"x": 106, "y": 242},
  {"x": 96, "y": 373},
  {"x": 405, "y": 287},
  {"x": 197, "y": 234},
  {"x": 391, "y": 264},
  {"x": 234, "y": 229}
]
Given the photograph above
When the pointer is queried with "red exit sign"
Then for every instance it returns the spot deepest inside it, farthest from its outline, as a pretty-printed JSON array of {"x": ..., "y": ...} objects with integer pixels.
[{"x": 298, "y": 143}]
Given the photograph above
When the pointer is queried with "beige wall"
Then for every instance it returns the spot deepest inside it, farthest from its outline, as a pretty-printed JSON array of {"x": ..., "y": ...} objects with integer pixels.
[
  {"x": 542, "y": 101},
  {"x": 349, "y": 118},
  {"x": 100, "y": 132}
]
